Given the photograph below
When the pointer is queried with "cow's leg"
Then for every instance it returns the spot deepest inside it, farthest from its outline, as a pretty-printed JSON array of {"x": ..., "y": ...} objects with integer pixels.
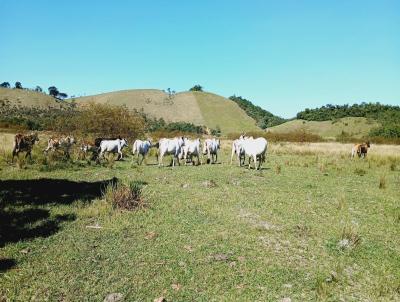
[
  {"x": 255, "y": 161},
  {"x": 260, "y": 162},
  {"x": 160, "y": 159},
  {"x": 15, "y": 152}
]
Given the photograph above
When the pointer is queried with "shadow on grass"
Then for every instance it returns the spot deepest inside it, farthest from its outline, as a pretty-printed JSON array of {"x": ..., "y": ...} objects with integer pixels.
[
  {"x": 6, "y": 264},
  {"x": 49, "y": 191},
  {"x": 22, "y": 216}
]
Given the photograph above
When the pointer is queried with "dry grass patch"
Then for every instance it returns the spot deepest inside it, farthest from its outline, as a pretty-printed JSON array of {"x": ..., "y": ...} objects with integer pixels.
[{"x": 125, "y": 197}]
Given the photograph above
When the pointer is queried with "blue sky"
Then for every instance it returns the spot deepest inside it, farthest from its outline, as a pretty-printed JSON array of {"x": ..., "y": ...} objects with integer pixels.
[{"x": 282, "y": 55}]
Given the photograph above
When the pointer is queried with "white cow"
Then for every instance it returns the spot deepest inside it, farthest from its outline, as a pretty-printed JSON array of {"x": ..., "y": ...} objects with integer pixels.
[
  {"x": 141, "y": 148},
  {"x": 114, "y": 146},
  {"x": 170, "y": 146},
  {"x": 211, "y": 146},
  {"x": 238, "y": 150},
  {"x": 254, "y": 149},
  {"x": 191, "y": 148}
]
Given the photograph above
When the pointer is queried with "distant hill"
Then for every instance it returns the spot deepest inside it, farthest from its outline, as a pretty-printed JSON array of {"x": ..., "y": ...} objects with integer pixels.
[
  {"x": 386, "y": 115},
  {"x": 352, "y": 126},
  {"x": 27, "y": 98},
  {"x": 199, "y": 108}
]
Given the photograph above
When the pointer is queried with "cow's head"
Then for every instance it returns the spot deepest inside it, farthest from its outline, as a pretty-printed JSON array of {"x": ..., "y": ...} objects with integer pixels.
[
  {"x": 124, "y": 143},
  {"x": 71, "y": 140}
]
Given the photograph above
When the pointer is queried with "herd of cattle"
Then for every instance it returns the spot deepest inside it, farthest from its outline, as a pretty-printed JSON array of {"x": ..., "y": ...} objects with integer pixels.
[{"x": 181, "y": 148}]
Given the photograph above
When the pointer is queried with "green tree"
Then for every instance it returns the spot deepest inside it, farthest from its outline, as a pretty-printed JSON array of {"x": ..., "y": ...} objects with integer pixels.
[{"x": 196, "y": 88}]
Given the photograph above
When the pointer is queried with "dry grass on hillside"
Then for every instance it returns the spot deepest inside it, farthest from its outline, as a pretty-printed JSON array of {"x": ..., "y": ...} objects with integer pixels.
[
  {"x": 181, "y": 107},
  {"x": 27, "y": 98}
]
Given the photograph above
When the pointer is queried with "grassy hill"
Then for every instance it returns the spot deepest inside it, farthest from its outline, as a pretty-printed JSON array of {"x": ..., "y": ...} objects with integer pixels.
[
  {"x": 199, "y": 108},
  {"x": 28, "y": 98},
  {"x": 353, "y": 126}
]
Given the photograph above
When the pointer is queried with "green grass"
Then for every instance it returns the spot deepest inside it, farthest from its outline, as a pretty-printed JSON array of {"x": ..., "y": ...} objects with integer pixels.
[
  {"x": 255, "y": 235},
  {"x": 219, "y": 111},
  {"x": 354, "y": 126}
]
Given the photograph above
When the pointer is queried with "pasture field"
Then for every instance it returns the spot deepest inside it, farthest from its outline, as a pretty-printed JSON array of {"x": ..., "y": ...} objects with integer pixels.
[{"x": 311, "y": 225}]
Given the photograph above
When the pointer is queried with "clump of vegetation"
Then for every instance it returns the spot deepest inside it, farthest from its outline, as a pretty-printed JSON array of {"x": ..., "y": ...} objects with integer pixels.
[
  {"x": 342, "y": 204},
  {"x": 125, "y": 197},
  {"x": 104, "y": 120},
  {"x": 360, "y": 172},
  {"x": 349, "y": 238},
  {"x": 278, "y": 169},
  {"x": 263, "y": 117},
  {"x": 382, "y": 182},
  {"x": 196, "y": 88}
]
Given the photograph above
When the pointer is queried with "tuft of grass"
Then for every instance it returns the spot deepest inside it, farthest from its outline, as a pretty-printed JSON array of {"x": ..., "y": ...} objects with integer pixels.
[
  {"x": 349, "y": 238},
  {"x": 278, "y": 169},
  {"x": 393, "y": 166},
  {"x": 360, "y": 172},
  {"x": 382, "y": 182},
  {"x": 342, "y": 203},
  {"x": 125, "y": 197}
]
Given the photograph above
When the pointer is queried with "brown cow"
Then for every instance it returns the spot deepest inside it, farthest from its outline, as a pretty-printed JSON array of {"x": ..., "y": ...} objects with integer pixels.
[
  {"x": 360, "y": 149},
  {"x": 24, "y": 143}
]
